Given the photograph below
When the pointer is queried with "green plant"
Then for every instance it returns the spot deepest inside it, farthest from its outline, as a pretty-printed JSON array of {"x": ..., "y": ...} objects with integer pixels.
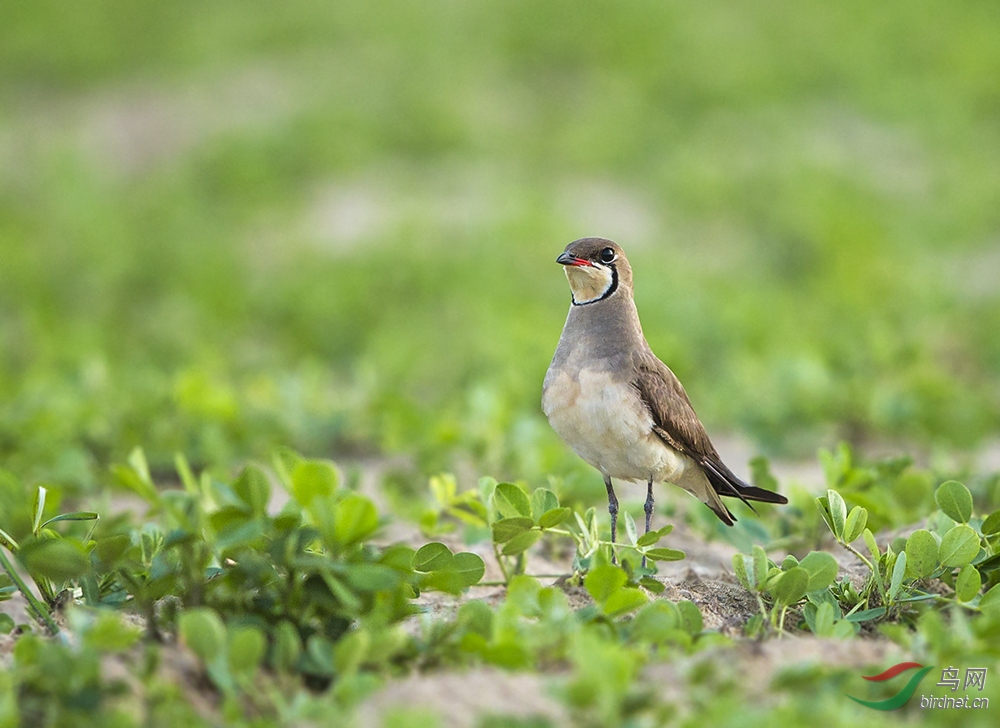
[
  {"x": 786, "y": 585},
  {"x": 302, "y": 588},
  {"x": 52, "y": 560},
  {"x": 59, "y": 681},
  {"x": 515, "y": 521},
  {"x": 955, "y": 548},
  {"x": 958, "y": 549}
]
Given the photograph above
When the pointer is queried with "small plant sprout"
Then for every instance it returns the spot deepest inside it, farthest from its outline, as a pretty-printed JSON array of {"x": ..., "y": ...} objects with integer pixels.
[
  {"x": 53, "y": 561},
  {"x": 518, "y": 521}
]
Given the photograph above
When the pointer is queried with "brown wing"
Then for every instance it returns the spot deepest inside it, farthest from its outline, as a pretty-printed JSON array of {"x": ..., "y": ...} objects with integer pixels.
[
  {"x": 676, "y": 422},
  {"x": 673, "y": 415}
]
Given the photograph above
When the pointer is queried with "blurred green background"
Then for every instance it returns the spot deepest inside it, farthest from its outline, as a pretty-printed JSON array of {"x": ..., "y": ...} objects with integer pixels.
[{"x": 231, "y": 225}]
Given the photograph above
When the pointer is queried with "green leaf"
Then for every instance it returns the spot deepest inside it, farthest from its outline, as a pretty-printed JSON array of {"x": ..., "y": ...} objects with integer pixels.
[
  {"x": 522, "y": 592},
  {"x": 871, "y": 544},
  {"x": 771, "y": 579},
  {"x": 355, "y": 518},
  {"x": 542, "y": 501},
  {"x": 350, "y": 651},
  {"x": 507, "y": 528},
  {"x": 744, "y": 570},
  {"x": 240, "y": 535},
  {"x": 824, "y": 620},
  {"x": 313, "y": 479},
  {"x": 183, "y": 468},
  {"x": 58, "y": 559},
  {"x": 246, "y": 649},
  {"x": 136, "y": 477},
  {"x": 465, "y": 570},
  {"x": 603, "y": 581},
  {"x": 287, "y": 646},
  {"x": 7, "y": 541},
  {"x": 663, "y": 554},
  {"x": 109, "y": 550},
  {"x": 253, "y": 488},
  {"x": 761, "y": 565},
  {"x": 398, "y": 557},
  {"x": 921, "y": 554},
  {"x": 968, "y": 583},
  {"x": 844, "y": 629},
  {"x": 285, "y": 460},
  {"x": 203, "y": 632},
  {"x": 652, "y": 585},
  {"x": 898, "y": 570},
  {"x": 553, "y": 517},
  {"x": 648, "y": 539},
  {"x": 6, "y": 623},
  {"x": 656, "y": 622},
  {"x": 108, "y": 633},
  {"x": 623, "y": 601},
  {"x": 990, "y": 563},
  {"x": 137, "y": 459},
  {"x": 791, "y": 586},
  {"x": 857, "y": 519},
  {"x": 838, "y": 513},
  {"x": 510, "y": 501},
  {"x": 919, "y": 597},
  {"x": 432, "y": 556},
  {"x": 825, "y": 596},
  {"x": 867, "y": 614},
  {"x": 318, "y": 656},
  {"x": 990, "y": 601},
  {"x": 366, "y": 577},
  {"x": 36, "y": 521},
  {"x": 959, "y": 546},
  {"x": 477, "y": 617},
  {"x": 955, "y": 500},
  {"x": 992, "y": 524},
  {"x": 630, "y": 529},
  {"x": 822, "y": 569},
  {"x": 444, "y": 487},
  {"x": 76, "y": 516},
  {"x": 754, "y": 625},
  {"x": 521, "y": 543},
  {"x": 690, "y": 617}
]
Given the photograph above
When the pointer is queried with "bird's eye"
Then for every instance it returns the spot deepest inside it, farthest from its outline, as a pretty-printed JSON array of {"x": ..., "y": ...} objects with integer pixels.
[{"x": 608, "y": 255}]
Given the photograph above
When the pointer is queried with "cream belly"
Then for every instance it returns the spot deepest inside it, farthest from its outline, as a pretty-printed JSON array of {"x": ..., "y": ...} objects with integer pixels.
[{"x": 606, "y": 424}]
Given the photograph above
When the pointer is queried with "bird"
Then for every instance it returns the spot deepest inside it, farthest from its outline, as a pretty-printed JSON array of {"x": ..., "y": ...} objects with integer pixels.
[{"x": 619, "y": 407}]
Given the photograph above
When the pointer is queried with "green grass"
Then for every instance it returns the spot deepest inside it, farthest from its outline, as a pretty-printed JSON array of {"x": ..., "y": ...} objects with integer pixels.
[
  {"x": 332, "y": 227},
  {"x": 225, "y": 229}
]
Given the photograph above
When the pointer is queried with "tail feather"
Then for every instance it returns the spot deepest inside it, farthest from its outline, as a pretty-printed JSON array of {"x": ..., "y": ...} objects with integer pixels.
[
  {"x": 725, "y": 483},
  {"x": 724, "y": 514},
  {"x": 753, "y": 493}
]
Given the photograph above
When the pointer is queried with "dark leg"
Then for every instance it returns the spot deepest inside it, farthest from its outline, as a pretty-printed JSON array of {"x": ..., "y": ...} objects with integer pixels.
[
  {"x": 649, "y": 504},
  {"x": 613, "y": 510},
  {"x": 649, "y": 511}
]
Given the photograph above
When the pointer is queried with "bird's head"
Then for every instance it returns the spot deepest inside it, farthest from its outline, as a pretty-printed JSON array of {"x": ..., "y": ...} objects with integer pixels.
[{"x": 596, "y": 269}]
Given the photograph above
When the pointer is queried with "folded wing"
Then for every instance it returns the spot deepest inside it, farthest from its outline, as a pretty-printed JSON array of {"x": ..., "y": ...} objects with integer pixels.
[{"x": 677, "y": 424}]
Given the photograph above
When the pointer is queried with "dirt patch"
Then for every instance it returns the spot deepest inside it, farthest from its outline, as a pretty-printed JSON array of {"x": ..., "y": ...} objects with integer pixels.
[
  {"x": 725, "y": 605},
  {"x": 462, "y": 700}
]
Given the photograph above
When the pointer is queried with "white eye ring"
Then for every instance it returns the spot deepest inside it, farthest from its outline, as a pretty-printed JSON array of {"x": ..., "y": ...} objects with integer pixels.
[{"x": 608, "y": 255}]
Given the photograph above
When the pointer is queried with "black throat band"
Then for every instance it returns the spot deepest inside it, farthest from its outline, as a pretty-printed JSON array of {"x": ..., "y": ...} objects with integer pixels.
[{"x": 611, "y": 289}]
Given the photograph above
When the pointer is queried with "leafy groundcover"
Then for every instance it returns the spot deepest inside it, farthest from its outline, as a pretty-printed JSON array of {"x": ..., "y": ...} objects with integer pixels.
[{"x": 277, "y": 599}]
